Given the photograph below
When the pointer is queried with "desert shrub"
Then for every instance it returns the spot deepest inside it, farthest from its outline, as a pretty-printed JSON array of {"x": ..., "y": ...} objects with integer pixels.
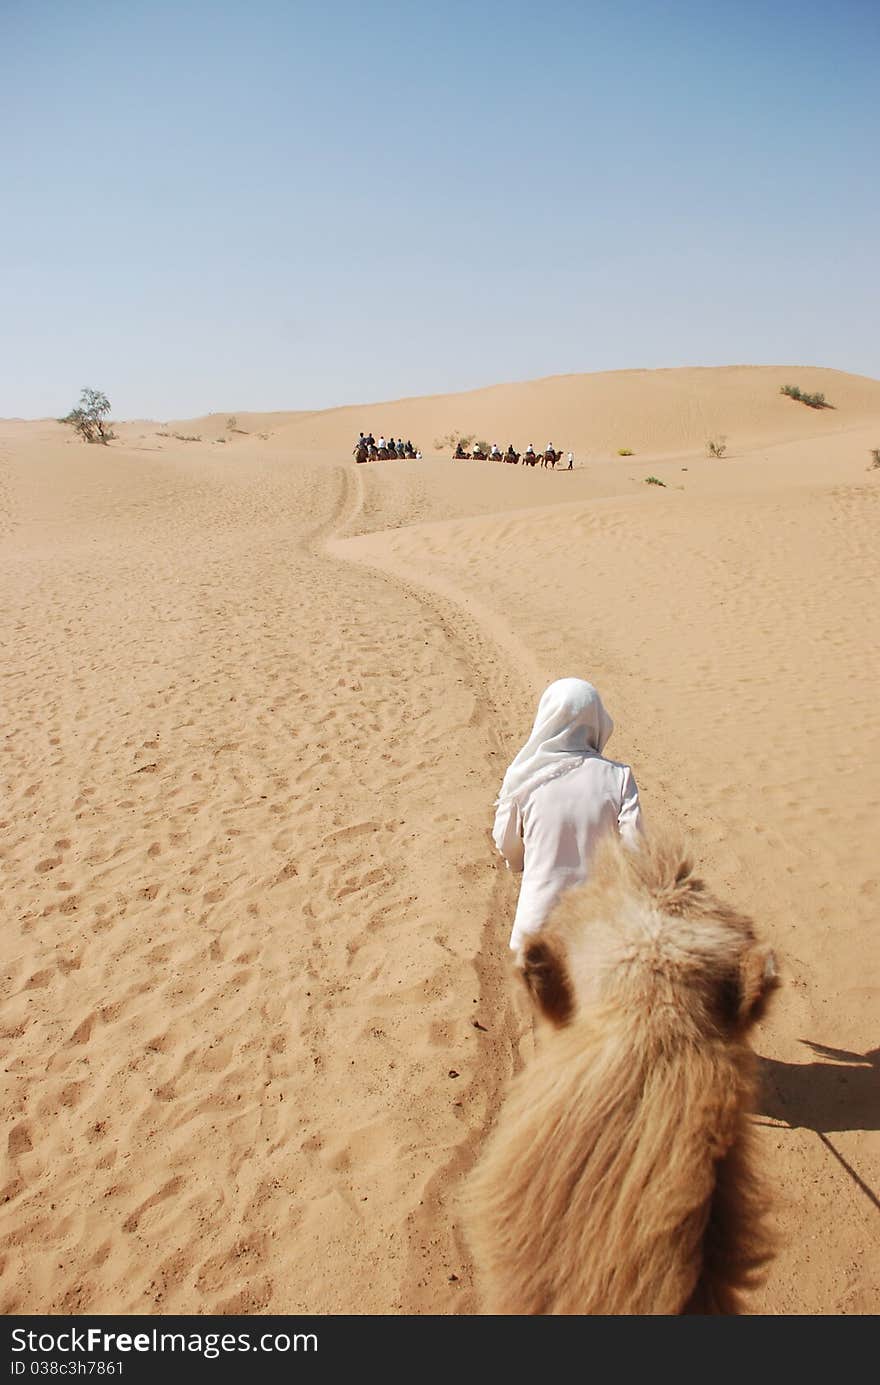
[
  {"x": 88, "y": 417},
  {"x": 187, "y": 437},
  {"x": 453, "y": 439},
  {"x": 716, "y": 447},
  {"x": 815, "y": 401},
  {"x": 625, "y": 452},
  {"x": 231, "y": 423},
  {"x": 875, "y": 457},
  {"x": 654, "y": 481}
]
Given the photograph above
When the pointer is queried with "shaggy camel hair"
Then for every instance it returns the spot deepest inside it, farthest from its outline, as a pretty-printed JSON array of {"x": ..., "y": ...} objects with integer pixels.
[{"x": 619, "y": 1177}]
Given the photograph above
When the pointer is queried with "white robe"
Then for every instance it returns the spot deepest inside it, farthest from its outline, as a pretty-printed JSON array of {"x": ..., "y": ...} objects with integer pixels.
[{"x": 552, "y": 837}]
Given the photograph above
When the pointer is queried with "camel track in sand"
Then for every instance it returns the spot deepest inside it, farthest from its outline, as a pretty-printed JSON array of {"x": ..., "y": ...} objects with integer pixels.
[{"x": 497, "y": 684}]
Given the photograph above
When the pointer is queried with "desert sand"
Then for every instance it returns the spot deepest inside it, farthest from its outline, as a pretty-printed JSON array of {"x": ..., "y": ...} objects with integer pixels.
[{"x": 258, "y": 1014}]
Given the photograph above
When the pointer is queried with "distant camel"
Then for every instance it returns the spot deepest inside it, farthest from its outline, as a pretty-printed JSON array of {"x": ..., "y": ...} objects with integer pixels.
[{"x": 619, "y": 1177}]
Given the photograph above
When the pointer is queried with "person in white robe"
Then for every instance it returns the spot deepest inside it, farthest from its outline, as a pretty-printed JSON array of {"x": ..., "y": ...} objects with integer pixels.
[{"x": 559, "y": 797}]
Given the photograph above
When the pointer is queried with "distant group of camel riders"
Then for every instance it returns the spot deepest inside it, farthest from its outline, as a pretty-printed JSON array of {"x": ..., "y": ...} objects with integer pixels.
[
  {"x": 369, "y": 449},
  {"x": 549, "y": 457}
]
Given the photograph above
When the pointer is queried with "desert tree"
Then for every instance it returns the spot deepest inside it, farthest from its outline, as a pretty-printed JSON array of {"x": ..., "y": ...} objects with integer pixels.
[{"x": 89, "y": 417}]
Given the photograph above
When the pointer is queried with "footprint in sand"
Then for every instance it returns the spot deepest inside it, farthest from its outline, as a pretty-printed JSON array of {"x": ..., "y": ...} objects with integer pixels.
[
  {"x": 83, "y": 1031},
  {"x": 38, "y": 980},
  {"x": 167, "y": 1190},
  {"x": 19, "y": 1141}
]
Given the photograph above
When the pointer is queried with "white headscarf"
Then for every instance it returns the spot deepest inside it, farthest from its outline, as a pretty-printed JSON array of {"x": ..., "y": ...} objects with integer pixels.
[{"x": 570, "y": 724}]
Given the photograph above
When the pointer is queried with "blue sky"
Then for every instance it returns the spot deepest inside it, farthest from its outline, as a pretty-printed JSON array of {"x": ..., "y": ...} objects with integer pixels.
[{"x": 288, "y": 205}]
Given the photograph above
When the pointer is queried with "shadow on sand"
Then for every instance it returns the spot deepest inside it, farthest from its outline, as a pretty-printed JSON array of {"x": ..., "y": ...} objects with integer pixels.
[{"x": 840, "y": 1092}]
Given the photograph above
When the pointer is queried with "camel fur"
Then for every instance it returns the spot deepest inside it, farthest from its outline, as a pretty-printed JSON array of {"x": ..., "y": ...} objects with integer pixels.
[{"x": 620, "y": 1178}]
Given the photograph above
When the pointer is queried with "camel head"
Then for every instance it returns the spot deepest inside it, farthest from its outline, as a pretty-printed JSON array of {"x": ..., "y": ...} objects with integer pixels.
[{"x": 646, "y": 931}]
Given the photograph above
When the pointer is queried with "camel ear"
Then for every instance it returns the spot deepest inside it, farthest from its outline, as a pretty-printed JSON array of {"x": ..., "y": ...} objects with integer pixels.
[
  {"x": 742, "y": 994},
  {"x": 758, "y": 976},
  {"x": 546, "y": 975}
]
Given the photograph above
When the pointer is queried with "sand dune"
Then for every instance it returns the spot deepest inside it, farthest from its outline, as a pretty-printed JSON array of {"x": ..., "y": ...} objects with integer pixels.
[
  {"x": 649, "y": 411},
  {"x": 257, "y": 704}
]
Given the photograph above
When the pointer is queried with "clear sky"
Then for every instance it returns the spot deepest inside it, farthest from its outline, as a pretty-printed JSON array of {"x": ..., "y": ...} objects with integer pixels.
[{"x": 219, "y": 205}]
